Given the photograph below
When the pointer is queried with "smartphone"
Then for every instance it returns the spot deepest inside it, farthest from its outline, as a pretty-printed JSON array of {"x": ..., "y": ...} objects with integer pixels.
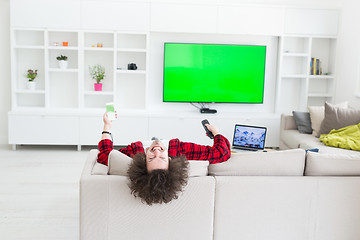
[{"x": 110, "y": 109}]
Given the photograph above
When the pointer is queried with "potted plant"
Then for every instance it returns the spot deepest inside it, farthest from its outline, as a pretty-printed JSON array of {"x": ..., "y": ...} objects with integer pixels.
[
  {"x": 97, "y": 72},
  {"x": 63, "y": 63},
  {"x": 31, "y": 75}
]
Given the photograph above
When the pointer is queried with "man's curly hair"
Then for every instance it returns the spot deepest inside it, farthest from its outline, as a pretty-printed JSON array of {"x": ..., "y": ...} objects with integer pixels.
[{"x": 157, "y": 186}]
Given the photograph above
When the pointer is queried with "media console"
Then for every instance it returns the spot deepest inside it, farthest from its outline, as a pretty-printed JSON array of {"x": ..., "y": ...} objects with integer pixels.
[{"x": 84, "y": 128}]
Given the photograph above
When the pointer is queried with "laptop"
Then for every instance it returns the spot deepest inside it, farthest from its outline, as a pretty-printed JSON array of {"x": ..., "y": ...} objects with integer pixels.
[{"x": 248, "y": 138}]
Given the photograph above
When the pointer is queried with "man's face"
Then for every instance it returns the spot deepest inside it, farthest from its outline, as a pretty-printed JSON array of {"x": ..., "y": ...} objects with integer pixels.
[{"x": 157, "y": 156}]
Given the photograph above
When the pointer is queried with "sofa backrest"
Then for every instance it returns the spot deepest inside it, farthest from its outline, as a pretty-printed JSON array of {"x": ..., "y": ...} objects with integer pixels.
[{"x": 274, "y": 163}]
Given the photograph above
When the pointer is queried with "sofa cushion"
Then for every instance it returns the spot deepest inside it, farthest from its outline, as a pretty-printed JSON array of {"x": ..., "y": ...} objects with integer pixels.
[
  {"x": 303, "y": 121},
  {"x": 317, "y": 114},
  {"x": 332, "y": 164},
  {"x": 274, "y": 163},
  {"x": 336, "y": 118},
  {"x": 119, "y": 164}
]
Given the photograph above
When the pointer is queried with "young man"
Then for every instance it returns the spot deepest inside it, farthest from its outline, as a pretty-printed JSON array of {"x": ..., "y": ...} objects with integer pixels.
[{"x": 158, "y": 172}]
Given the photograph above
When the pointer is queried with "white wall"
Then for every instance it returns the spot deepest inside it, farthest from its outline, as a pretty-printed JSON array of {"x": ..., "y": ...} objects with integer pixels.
[
  {"x": 348, "y": 55},
  {"x": 5, "y": 97}
]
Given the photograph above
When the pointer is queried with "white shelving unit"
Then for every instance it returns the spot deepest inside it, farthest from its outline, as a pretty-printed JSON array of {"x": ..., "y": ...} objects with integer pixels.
[
  {"x": 65, "y": 98},
  {"x": 38, "y": 49},
  {"x": 297, "y": 88}
]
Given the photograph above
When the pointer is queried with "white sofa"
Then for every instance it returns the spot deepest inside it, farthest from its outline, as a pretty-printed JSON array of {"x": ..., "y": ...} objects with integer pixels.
[
  {"x": 252, "y": 196},
  {"x": 291, "y": 138}
]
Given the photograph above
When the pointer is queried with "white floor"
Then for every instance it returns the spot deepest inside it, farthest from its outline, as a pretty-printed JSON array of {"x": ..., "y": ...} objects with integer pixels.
[{"x": 39, "y": 192}]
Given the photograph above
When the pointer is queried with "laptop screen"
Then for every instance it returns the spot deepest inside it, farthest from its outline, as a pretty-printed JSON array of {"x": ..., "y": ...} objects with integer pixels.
[{"x": 249, "y": 137}]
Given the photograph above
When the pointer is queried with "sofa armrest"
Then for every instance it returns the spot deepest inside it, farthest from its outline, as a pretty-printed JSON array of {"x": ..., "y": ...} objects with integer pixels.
[
  {"x": 94, "y": 198},
  {"x": 287, "y": 123}
]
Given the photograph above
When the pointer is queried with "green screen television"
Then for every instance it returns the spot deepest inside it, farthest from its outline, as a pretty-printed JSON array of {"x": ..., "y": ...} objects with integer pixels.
[{"x": 219, "y": 73}]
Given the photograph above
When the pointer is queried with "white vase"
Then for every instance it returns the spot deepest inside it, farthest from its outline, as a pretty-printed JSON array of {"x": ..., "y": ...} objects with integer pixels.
[
  {"x": 31, "y": 85},
  {"x": 63, "y": 64}
]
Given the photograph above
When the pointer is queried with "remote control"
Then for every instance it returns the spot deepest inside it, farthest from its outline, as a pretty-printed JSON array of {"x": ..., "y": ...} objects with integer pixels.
[{"x": 210, "y": 134}]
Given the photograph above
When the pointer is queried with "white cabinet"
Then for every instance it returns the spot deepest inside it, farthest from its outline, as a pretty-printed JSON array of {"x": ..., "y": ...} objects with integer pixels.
[
  {"x": 43, "y": 129},
  {"x": 250, "y": 20},
  {"x": 115, "y": 15},
  {"x": 311, "y": 21},
  {"x": 45, "y": 13},
  {"x": 183, "y": 18},
  {"x": 298, "y": 86}
]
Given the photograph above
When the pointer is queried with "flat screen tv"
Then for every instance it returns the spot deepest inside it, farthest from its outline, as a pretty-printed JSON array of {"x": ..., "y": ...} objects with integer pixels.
[{"x": 220, "y": 73}]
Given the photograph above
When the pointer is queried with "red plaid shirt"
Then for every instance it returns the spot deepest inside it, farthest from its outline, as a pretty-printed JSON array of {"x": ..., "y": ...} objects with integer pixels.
[{"x": 219, "y": 152}]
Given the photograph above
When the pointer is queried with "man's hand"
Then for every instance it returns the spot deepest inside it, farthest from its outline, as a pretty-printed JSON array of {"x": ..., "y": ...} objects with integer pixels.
[
  {"x": 107, "y": 122},
  {"x": 213, "y": 129}
]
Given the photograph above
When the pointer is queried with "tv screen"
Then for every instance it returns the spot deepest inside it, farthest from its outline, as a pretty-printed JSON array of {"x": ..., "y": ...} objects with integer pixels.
[{"x": 213, "y": 73}]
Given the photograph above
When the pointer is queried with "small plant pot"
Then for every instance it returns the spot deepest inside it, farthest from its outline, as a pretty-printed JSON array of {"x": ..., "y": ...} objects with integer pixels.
[
  {"x": 98, "y": 86},
  {"x": 63, "y": 64},
  {"x": 31, "y": 85}
]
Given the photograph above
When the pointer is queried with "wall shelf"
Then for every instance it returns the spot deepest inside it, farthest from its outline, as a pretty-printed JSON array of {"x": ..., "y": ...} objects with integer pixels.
[
  {"x": 62, "y": 48},
  {"x": 98, "y": 93},
  {"x": 295, "y": 54},
  {"x": 131, "y": 71},
  {"x": 100, "y": 49},
  {"x": 26, "y": 91},
  {"x": 287, "y": 54},
  {"x": 29, "y": 47},
  {"x": 321, "y": 76},
  {"x": 131, "y": 50},
  {"x": 63, "y": 70},
  {"x": 294, "y": 76}
]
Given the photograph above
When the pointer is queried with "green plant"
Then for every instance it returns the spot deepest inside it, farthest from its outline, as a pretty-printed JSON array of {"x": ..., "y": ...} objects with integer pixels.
[
  {"x": 31, "y": 75},
  {"x": 61, "y": 57},
  {"x": 97, "y": 72}
]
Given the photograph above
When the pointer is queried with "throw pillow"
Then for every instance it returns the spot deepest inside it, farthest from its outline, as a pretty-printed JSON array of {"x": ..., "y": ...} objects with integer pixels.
[
  {"x": 198, "y": 168},
  {"x": 336, "y": 118},
  {"x": 332, "y": 164},
  {"x": 119, "y": 164},
  {"x": 99, "y": 169},
  {"x": 303, "y": 121},
  {"x": 275, "y": 163},
  {"x": 317, "y": 115}
]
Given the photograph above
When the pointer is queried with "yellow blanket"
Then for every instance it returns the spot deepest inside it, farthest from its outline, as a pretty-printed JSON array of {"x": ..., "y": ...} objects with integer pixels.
[{"x": 347, "y": 138}]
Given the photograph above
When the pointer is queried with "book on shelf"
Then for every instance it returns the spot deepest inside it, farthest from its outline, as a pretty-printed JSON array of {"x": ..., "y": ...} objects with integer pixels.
[{"x": 315, "y": 66}]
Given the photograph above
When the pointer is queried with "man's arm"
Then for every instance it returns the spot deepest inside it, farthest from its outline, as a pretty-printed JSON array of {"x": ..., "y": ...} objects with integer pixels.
[
  {"x": 219, "y": 152},
  {"x": 106, "y": 144}
]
